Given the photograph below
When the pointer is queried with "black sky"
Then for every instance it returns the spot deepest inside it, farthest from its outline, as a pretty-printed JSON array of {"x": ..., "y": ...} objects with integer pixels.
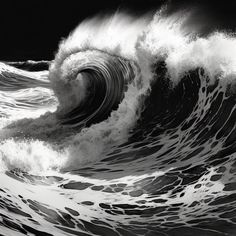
[{"x": 31, "y": 29}]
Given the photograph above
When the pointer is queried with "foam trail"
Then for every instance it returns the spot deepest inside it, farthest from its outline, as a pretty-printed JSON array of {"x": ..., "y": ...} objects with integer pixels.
[{"x": 183, "y": 50}]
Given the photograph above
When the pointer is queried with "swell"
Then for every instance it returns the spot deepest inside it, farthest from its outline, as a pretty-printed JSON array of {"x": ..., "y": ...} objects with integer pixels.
[
  {"x": 12, "y": 79},
  {"x": 30, "y": 65},
  {"x": 193, "y": 118}
]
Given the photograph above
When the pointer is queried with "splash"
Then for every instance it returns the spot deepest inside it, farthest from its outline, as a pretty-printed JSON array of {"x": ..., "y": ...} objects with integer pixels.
[
  {"x": 139, "y": 41},
  {"x": 137, "y": 135}
]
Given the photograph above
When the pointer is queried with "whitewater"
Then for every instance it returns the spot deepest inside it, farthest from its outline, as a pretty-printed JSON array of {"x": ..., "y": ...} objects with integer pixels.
[{"x": 131, "y": 131}]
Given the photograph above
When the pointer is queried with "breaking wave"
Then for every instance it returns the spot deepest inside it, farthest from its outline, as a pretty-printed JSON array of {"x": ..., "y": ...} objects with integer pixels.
[{"x": 130, "y": 132}]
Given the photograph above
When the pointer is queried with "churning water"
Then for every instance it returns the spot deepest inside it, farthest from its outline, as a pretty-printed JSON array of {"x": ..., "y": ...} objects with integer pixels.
[{"x": 131, "y": 131}]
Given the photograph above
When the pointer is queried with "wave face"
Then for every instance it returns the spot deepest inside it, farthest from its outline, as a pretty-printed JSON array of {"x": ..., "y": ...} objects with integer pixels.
[
  {"x": 131, "y": 132},
  {"x": 92, "y": 88}
]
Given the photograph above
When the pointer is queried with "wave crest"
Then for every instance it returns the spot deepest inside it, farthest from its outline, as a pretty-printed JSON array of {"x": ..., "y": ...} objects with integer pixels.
[{"x": 89, "y": 85}]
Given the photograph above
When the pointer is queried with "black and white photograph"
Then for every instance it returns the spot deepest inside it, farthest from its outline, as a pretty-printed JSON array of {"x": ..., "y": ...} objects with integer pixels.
[{"x": 118, "y": 118}]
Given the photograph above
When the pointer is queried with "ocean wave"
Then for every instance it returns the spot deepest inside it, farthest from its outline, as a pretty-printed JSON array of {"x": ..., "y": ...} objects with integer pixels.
[{"x": 134, "y": 132}]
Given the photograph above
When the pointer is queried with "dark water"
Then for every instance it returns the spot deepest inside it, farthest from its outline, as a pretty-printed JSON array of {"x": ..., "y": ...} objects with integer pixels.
[{"x": 131, "y": 131}]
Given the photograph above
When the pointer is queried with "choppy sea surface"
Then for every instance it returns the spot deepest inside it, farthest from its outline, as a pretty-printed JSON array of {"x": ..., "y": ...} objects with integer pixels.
[{"x": 130, "y": 131}]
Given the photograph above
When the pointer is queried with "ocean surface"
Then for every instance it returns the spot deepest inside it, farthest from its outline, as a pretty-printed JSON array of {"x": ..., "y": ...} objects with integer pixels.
[{"x": 130, "y": 130}]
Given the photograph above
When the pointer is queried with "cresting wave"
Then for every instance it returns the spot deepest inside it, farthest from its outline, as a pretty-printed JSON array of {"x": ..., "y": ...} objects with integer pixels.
[
  {"x": 93, "y": 85},
  {"x": 134, "y": 133}
]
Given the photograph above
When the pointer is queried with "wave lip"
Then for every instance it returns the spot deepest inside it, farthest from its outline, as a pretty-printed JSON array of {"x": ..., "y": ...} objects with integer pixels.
[{"x": 91, "y": 84}]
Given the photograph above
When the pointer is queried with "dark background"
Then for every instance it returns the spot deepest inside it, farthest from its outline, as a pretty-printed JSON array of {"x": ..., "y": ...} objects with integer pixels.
[{"x": 32, "y": 29}]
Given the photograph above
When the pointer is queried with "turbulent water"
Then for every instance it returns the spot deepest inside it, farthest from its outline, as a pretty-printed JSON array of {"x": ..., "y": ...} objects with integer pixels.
[{"x": 131, "y": 131}]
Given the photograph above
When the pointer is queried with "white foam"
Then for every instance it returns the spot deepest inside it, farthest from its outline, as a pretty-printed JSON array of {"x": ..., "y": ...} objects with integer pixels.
[
  {"x": 165, "y": 38},
  {"x": 215, "y": 54},
  {"x": 31, "y": 156}
]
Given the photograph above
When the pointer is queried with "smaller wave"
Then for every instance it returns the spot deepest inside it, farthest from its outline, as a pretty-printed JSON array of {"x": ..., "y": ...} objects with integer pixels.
[
  {"x": 12, "y": 79},
  {"x": 30, "y": 65}
]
